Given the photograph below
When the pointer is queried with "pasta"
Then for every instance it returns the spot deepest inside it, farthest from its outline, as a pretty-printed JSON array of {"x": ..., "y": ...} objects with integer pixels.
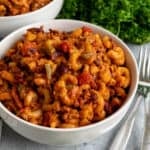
[
  {"x": 64, "y": 79},
  {"x": 17, "y": 7}
]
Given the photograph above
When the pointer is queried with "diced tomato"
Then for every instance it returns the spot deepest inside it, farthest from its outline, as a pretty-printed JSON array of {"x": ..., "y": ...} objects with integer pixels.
[
  {"x": 29, "y": 48},
  {"x": 86, "y": 29},
  {"x": 65, "y": 47},
  {"x": 85, "y": 78}
]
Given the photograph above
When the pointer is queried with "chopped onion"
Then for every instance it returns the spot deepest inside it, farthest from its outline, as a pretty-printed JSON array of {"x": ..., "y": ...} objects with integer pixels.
[
  {"x": 87, "y": 55},
  {"x": 48, "y": 71}
]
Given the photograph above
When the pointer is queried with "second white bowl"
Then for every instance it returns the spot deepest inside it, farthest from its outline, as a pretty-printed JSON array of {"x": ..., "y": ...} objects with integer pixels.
[{"x": 10, "y": 23}]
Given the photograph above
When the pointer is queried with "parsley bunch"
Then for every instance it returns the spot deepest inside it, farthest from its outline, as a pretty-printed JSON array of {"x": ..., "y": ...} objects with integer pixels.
[{"x": 128, "y": 19}]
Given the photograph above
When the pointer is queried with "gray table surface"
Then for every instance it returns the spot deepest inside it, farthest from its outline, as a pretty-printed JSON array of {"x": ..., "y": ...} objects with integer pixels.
[{"x": 12, "y": 141}]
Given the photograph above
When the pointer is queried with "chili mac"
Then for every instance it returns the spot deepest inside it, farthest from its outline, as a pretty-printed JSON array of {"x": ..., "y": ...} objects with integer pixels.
[
  {"x": 64, "y": 79},
  {"x": 17, "y": 7}
]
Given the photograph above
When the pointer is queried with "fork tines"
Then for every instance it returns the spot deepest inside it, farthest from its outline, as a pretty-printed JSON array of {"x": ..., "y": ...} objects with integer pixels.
[{"x": 144, "y": 64}]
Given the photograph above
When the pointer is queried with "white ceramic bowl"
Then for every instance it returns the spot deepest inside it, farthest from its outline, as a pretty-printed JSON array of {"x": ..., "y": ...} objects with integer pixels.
[
  {"x": 72, "y": 136},
  {"x": 10, "y": 23}
]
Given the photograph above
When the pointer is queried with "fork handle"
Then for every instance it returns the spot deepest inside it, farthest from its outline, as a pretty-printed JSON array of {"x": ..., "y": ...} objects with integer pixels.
[
  {"x": 1, "y": 124},
  {"x": 122, "y": 137}
]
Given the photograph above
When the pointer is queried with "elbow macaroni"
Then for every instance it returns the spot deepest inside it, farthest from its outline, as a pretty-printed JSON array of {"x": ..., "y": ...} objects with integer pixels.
[
  {"x": 17, "y": 7},
  {"x": 64, "y": 79}
]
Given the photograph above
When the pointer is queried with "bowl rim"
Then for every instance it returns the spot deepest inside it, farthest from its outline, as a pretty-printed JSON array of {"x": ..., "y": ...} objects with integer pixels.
[
  {"x": 4, "y": 18},
  {"x": 82, "y": 128}
]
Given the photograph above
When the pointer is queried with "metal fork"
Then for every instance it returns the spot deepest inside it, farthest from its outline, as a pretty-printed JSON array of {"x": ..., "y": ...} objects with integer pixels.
[
  {"x": 123, "y": 135},
  {"x": 0, "y": 128},
  {"x": 0, "y": 118}
]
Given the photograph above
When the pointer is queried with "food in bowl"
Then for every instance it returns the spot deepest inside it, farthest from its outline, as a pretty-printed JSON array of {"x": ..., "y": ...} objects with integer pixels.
[
  {"x": 64, "y": 79},
  {"x": 69, "y": 136},
  {"x": 15, "y": 7}
]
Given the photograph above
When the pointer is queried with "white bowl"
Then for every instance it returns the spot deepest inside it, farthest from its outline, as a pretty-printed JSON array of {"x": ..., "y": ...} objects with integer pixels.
[
  {"x": 10, "y": 23},
  {"x": 56, "y": 136}
]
